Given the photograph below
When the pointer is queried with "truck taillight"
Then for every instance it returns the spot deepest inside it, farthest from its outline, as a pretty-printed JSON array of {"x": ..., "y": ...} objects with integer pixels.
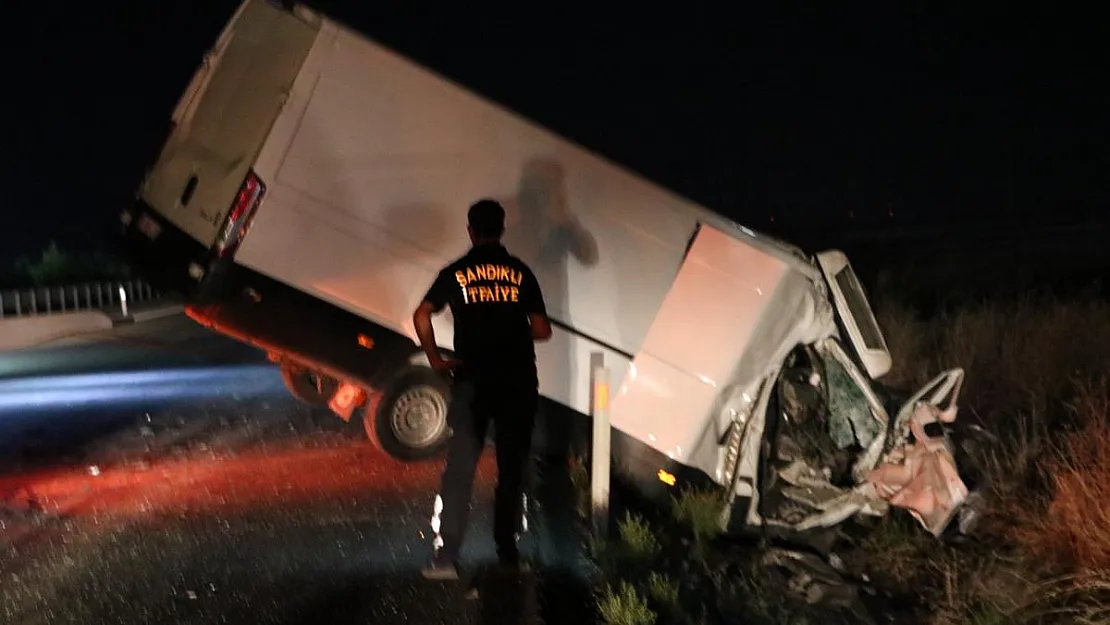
[{"x": 239, "y": 217}]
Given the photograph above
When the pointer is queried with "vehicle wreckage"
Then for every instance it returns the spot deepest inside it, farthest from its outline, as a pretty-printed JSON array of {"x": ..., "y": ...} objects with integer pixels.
[
  {"x": 805, "y": 437},
  {"x": 735, "y": 358},
  {"x": 837, "y": 451}
]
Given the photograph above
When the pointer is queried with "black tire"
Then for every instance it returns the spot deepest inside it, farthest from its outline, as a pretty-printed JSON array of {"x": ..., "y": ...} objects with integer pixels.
[
  {"x": 409, "y": 419},
  {"x": 307, "y": 385}
]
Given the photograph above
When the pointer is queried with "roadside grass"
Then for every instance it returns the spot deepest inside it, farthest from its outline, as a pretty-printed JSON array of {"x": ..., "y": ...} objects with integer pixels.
[
  {"x": 625, "y": 605},
  {"x": 672, "y": 569},
  {"x": 700, "y": 511}
]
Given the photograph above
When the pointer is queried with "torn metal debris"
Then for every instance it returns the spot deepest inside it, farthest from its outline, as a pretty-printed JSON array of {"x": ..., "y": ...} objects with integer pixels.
[{"x": 835, "y": 453}]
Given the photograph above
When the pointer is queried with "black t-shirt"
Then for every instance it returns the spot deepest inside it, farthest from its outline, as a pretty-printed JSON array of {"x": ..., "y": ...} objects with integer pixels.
[{"x": 491, "y": 293}]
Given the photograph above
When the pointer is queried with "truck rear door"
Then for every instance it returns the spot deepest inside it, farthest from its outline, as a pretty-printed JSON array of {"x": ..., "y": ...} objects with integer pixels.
[{"x": 225, "y": 115}]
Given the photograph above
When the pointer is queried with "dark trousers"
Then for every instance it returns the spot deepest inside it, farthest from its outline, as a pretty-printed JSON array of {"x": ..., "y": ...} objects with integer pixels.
[{"x": 476, "y": 402}]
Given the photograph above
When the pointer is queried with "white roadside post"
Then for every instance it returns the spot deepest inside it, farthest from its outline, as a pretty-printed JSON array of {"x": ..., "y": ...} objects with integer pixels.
[
  {"x": 599, "y": 469},
  {"x": 123, "y": 300}
]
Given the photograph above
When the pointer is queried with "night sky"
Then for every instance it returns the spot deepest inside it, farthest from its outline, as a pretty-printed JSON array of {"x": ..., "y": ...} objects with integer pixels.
[{"x": 926, "y": 113}]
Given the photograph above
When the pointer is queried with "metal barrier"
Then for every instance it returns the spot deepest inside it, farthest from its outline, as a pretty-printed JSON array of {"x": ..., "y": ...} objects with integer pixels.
[{"x": 47, "y": 300}]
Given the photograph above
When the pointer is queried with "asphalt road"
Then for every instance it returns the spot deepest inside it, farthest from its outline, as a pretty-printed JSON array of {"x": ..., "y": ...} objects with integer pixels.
[{"x": 159, "y": 473}]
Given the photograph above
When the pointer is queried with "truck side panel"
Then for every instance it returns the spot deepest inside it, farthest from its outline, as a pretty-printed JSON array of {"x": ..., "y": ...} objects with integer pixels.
[
  {"x": 371, "y": 193},
  {"x": 388, "y": 150}
]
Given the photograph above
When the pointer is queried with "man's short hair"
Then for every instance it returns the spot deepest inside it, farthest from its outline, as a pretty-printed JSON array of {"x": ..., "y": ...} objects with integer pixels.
[{"x": 486, "y": 218}]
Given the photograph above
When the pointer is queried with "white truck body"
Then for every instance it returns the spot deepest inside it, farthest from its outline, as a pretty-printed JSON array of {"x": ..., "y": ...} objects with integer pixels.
[{"x": 369, "y": 162}]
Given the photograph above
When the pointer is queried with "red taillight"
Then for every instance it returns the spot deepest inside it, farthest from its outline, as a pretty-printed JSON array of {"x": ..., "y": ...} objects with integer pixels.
[{"x": 239, "y": 217}]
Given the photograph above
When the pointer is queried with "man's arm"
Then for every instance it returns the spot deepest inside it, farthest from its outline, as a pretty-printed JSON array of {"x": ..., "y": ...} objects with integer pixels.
[
  {"x": 433, "y": 302},
  {"x": 422, "y": 321}
]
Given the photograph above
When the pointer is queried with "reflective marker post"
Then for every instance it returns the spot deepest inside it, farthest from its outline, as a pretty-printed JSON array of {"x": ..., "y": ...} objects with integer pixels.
[
  {"x": 599, "y": 469},
  {"x": 123, "y": 300}
]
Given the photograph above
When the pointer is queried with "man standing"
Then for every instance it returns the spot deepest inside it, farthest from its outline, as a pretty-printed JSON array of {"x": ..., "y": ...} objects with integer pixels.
[{"x": 499, "y": 313}]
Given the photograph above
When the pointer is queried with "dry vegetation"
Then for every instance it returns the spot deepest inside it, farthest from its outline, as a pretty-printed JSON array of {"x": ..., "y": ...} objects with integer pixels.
[{"x": 1038, "y": 377}]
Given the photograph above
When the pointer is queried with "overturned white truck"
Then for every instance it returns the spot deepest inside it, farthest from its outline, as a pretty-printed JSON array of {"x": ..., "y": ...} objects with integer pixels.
[{"x": 314, "y": 182}]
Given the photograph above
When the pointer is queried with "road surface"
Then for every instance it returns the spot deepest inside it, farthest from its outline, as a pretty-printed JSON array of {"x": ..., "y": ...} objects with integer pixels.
[{"x": 159, "y": 473}]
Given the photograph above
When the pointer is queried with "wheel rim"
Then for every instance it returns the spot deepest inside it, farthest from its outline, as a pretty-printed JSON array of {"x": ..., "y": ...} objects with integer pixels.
[{"x": 419, "y": 416}]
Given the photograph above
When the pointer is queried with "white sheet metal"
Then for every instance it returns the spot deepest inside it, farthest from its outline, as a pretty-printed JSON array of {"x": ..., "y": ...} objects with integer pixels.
[{"x": 693, "y": 349}]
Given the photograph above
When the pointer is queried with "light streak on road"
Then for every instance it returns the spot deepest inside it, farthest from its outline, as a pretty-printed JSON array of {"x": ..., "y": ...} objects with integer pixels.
[{"x": 129, "y": 388}]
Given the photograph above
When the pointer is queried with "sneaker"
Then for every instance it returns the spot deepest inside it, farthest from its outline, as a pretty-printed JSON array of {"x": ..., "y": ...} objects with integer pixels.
[{"x": 441, "y": 569}]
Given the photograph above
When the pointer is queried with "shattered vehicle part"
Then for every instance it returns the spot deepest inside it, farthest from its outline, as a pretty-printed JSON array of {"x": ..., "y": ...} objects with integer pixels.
[
  {"x": 851, "y": 421},
  {"x": 919, "y": 472},
  {"x": 812, "y": 580},
  {"x": 874, "y": 438},
  {"x": 970, "y": 513},
  {"x": 827, "y": 422},
  {"x": 922, "y": 476},
  {"x": 831, "y": 455},
  {"x": 970, "y": 442},
  {"x": 833, "y": 505}
]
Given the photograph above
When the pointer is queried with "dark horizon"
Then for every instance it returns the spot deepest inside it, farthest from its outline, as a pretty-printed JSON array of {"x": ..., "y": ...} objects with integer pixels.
[{"x": 908, "y": 116}]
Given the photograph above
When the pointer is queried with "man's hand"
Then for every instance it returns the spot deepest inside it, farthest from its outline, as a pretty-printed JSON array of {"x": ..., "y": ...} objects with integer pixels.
[
  {"x": 441, "y": 365},
  {"x": 541, "y": 327}
]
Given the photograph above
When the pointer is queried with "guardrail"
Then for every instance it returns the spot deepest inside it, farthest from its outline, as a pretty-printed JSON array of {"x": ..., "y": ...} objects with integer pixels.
[{"x": 47, "y": 300}]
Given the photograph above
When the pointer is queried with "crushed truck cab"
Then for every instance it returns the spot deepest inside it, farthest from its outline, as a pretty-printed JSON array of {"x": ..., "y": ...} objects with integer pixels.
[{"x": 771, "y": 357}]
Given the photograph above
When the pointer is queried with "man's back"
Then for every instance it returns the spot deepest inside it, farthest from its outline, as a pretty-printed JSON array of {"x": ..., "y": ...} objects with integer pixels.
[{"x": 491, "y": 294}]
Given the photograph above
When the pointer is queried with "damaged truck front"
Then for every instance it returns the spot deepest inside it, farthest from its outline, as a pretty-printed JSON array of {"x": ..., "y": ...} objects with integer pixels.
[{"x": 783, "y": 371}]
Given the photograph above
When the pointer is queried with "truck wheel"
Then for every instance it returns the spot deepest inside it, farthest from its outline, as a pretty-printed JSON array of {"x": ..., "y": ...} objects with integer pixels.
[
  {"x": 409, "y": 422},
  {"x": 307, "y": 385}
]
